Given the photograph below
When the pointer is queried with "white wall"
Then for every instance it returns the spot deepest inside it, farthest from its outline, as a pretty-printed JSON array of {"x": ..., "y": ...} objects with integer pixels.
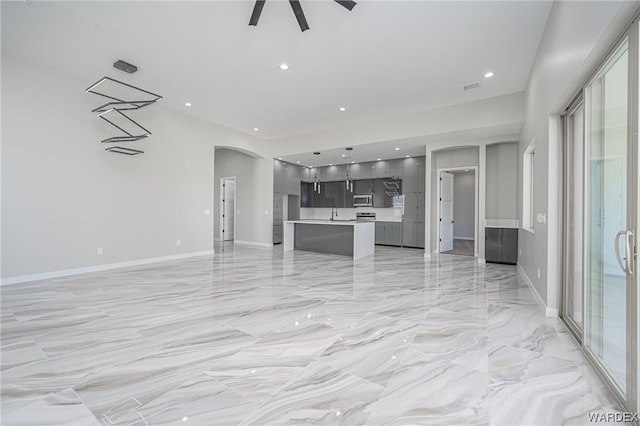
[
  {"x": 502, "y": 179},
  {"x": 569, "y": 51},
  {"x": 464, "y": 205},
  {"x": 63, "y": 196}
]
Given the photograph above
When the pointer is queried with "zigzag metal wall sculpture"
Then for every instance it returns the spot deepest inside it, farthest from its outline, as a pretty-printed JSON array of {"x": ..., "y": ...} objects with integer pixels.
[{"x": 123, "y": 97}]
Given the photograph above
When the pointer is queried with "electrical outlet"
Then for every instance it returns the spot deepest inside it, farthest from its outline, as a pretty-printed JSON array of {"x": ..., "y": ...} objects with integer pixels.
[
  {"x": 538, "y": 273},
  {"x": 207, "y": 212},
  {"x": 178, "y": 242},
  {"x": 99, "y": 250},
  {"x": 266, "y": 212}
]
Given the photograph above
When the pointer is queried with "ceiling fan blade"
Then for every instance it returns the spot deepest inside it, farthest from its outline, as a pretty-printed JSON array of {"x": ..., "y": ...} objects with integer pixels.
[
  {"x": 257, "y": 10},
  {"x": 349, "y": 4},
  {"x": 297, "y": 10}
]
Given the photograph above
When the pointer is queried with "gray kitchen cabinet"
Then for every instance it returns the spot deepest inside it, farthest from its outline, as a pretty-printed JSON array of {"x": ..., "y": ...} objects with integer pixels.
[
  {"x": 409, "y": 237},
  {"x": 361, "y": 171},
  {"x": 501, "y": 245},
  {"x": 413, "y": 234},
  {"x": 363, "y": 187},
  {"x": 331, "y": 173},
  {"x": 388, "y": 233},
  {"x": 420, "y": 234},
  {"x": 322, "y": 174},
  {"x": 393, "y": 234},
  {"x": 420, "y": 217},
  {"x": 277, "y": 175},
  {"x": 341, "y": 172},
  {"x": 306, "y": 194},
  {"x": 409, "y": 175},
  {"x": 413, "y": 174},
  {"x": 411, "y": 206},
  {"x": 394, "y": 168},
  {"x": 420, "y": 168},
  {"x": 277, "y": 233},
  {"x": 379, "y": 169},
  {"x": 379, "y": 232}
]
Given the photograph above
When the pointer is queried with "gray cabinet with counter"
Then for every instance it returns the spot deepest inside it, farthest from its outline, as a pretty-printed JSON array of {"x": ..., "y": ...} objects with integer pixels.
[{"x": 501, "y": 245}]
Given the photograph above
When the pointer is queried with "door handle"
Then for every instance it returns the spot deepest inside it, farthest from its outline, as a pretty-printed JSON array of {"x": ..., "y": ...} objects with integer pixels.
[
  {"x": 622, "y": 265},
  {"x": 631, "y": 254}
]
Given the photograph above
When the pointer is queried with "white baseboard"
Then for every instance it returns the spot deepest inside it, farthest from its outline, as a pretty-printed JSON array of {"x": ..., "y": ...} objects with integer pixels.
[
  {"x": 552, "y": 313},
  {"x": 253, "y": 243},
  {"x": 535, "y": 292},
  {"x": 482, "y": 261},
  {"x": 99, "y": 268},
  {"x": 463, "y": 238}
]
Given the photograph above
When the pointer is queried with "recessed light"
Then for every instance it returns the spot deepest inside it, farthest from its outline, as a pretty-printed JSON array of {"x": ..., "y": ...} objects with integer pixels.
[
  {"x": 343, "y": 109},
  {"x": 298, "y": 162},
  {"x": 279, "y": 158},
  {"x": 488, "y": 75},
  {"x": 379, "y": 159},
  {"x": 353, "y": 162},
  {"x": 397, "y": 149},
  {"x": 331, "y": 164},
  {"x": 343, "y": 155},
  {"x": 284, "y": 67},
  {"x": 407, "y": 156},
  {"x": 187, "y": 104},
  {"x": 255, "y": 129}
]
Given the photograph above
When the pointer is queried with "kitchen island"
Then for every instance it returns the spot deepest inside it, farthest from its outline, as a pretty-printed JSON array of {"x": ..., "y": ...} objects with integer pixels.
[{"x": 344, "y": 237}]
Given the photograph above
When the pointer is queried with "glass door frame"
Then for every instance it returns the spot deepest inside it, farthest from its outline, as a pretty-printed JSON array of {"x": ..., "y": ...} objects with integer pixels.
[{"x": 629, "y": 398}]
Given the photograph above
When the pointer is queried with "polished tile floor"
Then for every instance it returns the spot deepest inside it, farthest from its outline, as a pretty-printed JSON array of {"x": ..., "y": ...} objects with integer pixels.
[{"x": 254, "y": 336}]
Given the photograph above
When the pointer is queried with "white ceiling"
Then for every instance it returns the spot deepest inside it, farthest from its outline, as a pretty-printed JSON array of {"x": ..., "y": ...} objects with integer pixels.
[{"x": 383, "y": 59}]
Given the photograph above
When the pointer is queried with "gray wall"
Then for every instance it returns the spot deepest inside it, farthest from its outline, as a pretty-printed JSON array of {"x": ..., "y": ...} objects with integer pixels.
[
  {"x": 552, "y": 84},
  {"x": 63, "y": 195},
  {"x": 464, "y": 188},
  {"x": 443, "y": 159},
  {"x": 502, "y": 179}
]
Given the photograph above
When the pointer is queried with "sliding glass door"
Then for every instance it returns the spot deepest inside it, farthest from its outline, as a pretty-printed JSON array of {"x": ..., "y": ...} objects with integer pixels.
[{"x": 600, "y": 219}]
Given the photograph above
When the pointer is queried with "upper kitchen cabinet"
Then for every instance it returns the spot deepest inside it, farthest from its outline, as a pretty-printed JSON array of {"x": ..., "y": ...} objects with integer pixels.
[
  {"x": 413, "y": 174},
  {"x": 379, "y": 169},
  {"x": 326, "y": 174},
  {"x": 341, "y": 172},
  {"x": 394, "y": 168},
  {"x": 361, "y": 171}
]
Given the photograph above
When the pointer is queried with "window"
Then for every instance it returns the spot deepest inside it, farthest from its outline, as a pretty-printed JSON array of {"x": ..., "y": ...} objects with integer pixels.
[{"x": 528, "y": 179}]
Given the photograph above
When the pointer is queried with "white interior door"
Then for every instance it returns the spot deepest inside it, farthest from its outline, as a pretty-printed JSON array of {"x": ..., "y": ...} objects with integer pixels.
[
  {"x": 446, "y": 211},
  {"x": 228, "y": 209}
]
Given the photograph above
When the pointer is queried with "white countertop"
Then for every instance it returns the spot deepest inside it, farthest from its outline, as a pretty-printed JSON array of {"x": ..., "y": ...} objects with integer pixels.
[{"x": 330, "y": 222}]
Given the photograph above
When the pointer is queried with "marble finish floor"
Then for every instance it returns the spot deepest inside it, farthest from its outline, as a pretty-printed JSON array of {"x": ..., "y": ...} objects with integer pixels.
[
  {"x": 254, "y": 336},
  {"x": 462, "y": 247}
]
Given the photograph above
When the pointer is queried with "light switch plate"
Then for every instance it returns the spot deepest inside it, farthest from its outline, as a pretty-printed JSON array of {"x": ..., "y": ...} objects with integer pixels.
[
  {"x": 207, "y": 212},
  {"x": 99, "y": 250}
]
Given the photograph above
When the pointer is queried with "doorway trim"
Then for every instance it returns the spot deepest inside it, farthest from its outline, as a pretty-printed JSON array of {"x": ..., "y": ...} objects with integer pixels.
[
  {"x": 475, "y": 203},
  {"x": 221, "y": 210}
]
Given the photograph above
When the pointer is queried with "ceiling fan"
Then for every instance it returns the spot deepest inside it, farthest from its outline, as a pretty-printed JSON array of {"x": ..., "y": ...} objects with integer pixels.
[{"x": 297, "y": 10}]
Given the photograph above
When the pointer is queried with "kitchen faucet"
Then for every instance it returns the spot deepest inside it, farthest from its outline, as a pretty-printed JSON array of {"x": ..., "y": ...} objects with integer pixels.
[{"x": 336, "y": 211}]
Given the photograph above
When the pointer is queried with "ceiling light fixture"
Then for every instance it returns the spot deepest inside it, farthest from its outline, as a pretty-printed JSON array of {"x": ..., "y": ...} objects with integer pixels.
[
  {"x": 379, "y": 159},
  {"x": 284, "y": 67},
  {"x": 343, "y": 109},
  {"x": 187, "y": 104},
  {"x": 331, "y": 164},
  {"x": 489, "y": 75},
  {"x": 255, "y": 129},
  {"x": 279, "y": 158},
  {"x": 343, "y": 155},
  {"x": 353, "y": 162},
  {"x": 397, "y": 149},
  {"x": 407, "y": 156},
  {"x": 298, "y": 162}
]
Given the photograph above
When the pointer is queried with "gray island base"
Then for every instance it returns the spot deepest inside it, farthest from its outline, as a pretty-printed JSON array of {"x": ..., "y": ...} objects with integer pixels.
[{"x": 347, "y": 238}]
